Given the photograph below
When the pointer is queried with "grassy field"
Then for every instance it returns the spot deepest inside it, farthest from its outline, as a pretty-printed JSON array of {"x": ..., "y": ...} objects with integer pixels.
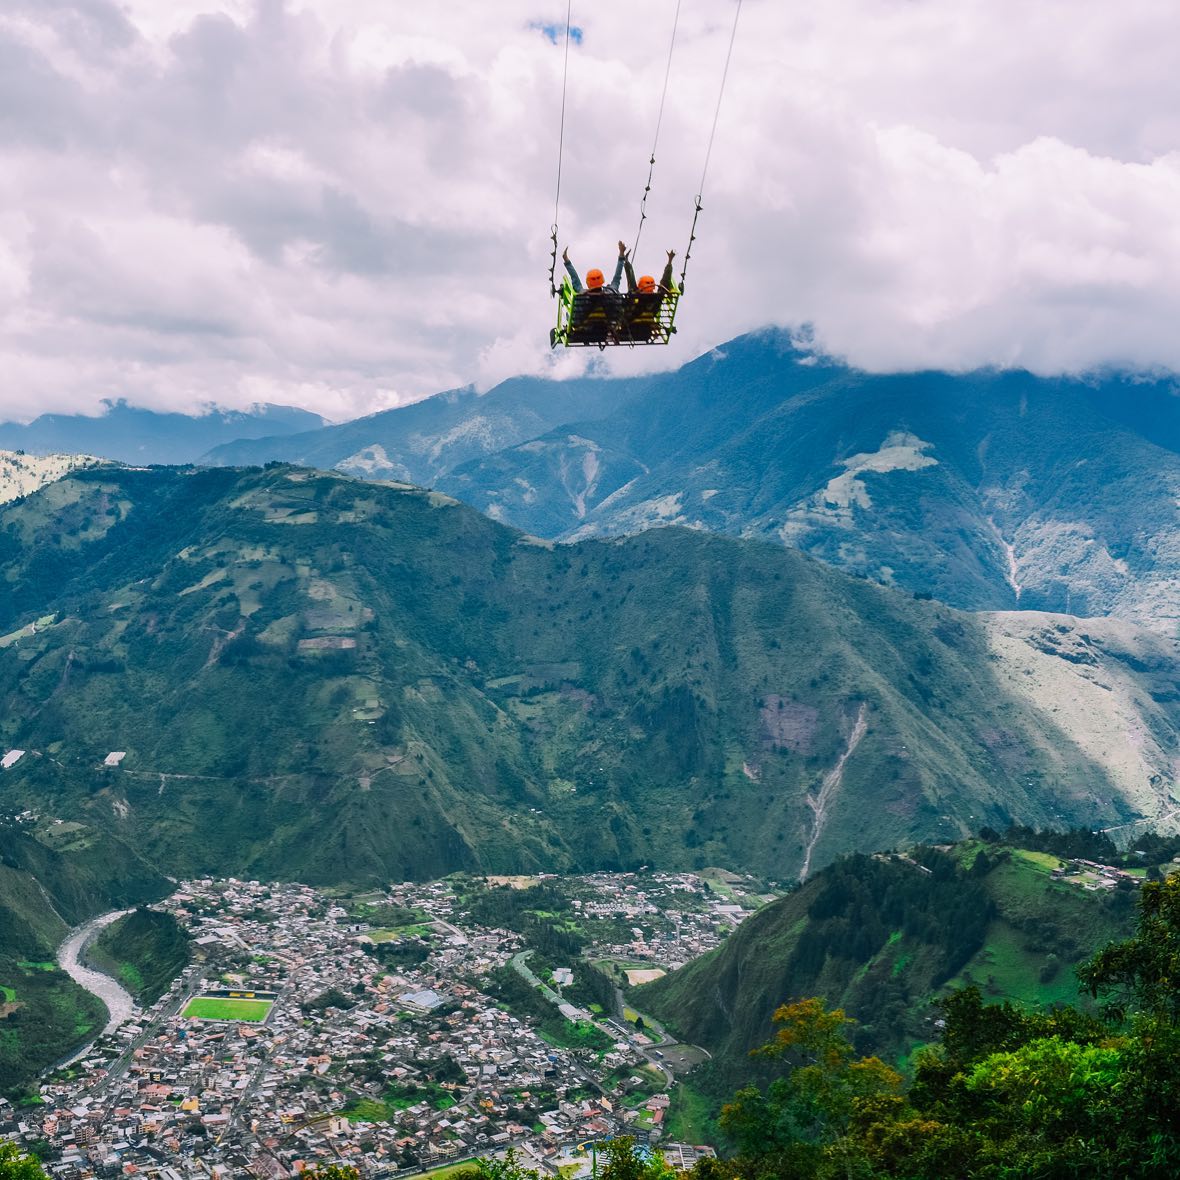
[
  {"x": 690, "y": 1116},
  {"x": 216, "y": 1008},
  {"x": 1043, "y": 860},
  {"x": 415, "y": 930}
]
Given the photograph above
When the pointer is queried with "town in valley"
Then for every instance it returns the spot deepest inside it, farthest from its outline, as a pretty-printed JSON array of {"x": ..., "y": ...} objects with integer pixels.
[{"x": 397, "y": 1031}]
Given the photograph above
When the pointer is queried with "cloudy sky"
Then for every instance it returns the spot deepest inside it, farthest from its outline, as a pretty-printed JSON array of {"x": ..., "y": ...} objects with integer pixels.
[{"x": 345, "y": 204}]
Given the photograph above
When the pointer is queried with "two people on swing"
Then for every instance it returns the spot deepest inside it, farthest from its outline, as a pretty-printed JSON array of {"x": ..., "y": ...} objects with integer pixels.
[{"x": 638, "y": 315}]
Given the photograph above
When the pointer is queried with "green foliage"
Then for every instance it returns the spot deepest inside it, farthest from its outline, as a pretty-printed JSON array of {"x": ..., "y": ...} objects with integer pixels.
[
  {"x": 1143, "y": 972},
  {"x": 882, "y": 937},
  {"x": 531, "y": 913},
  {"x": 815, "y": 1101},
  {"x": 332, "y": 998},
  {"x": 146, "y": 950},
  {"x": 16, "y": 1164},
  {"x": 50, "y": 1015},
  {"x": 591, "y": 986},
  {"x": 524, "y": 1000},
  {"x": 333, "y": 1172},
  {"x": 508, "y": 1168},
  {"x": 1005, "y": 1093},
  {"x": 620, "y": 1161}
]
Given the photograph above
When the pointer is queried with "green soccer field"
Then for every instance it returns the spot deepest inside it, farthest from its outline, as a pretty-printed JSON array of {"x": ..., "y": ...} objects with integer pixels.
[{"x": 215, "y": 1008}]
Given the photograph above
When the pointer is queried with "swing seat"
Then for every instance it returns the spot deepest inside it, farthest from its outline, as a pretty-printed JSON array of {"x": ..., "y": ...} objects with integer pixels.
[
  {"x": 606, "y": 319},
  {"x": 648, "y": 318}
]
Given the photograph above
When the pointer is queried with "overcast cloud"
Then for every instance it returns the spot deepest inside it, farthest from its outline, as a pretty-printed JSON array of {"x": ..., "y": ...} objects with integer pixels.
[{"x": 345, "y": 204}]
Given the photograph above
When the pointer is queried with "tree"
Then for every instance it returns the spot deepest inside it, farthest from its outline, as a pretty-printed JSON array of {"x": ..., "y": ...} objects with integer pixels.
[
  {"x": 784, "y": 1131},
  {"x": 624, "y": 1163},
  {"x": 507, "y": 1168},
  {"x": 1143, "y": 972},
  {"x": 18, "y": 1165}
]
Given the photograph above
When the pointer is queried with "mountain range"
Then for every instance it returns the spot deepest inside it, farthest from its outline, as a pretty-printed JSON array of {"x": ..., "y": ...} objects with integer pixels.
[
  {"x": 421, "y": 443},
  {"x": 988, "y": 490},
  {"x": 131, "y": 434},
  {"x": 311, "y": 675}
]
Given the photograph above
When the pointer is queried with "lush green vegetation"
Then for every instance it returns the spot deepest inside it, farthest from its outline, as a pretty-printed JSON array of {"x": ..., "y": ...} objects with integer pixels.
[
  {"x": 882, "y": 937},
  {"x": 526, "y": 1001},
  {"x": 398, "y": 1097},
  {"x": 145, "y": 950},
  {"x": 49, "y": 1017},
  {"x": 16, "y": 1164},
  {"x": 618, "y": 1159},
  {"x": 542, "y": 914},
  {"x": 1004, "y": 1092}
]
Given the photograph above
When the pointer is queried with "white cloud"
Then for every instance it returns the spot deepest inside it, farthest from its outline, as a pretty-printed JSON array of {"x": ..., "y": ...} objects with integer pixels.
[{"x": 347, "y": 204}]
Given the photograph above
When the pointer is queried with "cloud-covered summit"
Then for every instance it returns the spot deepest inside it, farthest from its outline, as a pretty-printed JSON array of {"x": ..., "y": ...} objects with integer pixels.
[{"x": 347, "y": 205}]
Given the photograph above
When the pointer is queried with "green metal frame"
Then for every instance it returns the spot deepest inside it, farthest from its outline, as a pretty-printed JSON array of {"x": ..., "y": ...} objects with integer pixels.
[{"x": 588, "y": 320}]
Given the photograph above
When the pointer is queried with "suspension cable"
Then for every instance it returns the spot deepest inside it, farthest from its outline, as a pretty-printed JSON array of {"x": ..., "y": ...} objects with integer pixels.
[
  {"x": 565, "y": 69},
  {"x": 651, "y": 164},
  {"x": 692, "y": 233}
]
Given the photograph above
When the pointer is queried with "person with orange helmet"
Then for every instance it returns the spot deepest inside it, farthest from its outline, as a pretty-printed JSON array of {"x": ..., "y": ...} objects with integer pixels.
[
  {"x": 595, "y": 279},
  {"x": 642, "y": 320},
  {"x": 646, "y": 284}
]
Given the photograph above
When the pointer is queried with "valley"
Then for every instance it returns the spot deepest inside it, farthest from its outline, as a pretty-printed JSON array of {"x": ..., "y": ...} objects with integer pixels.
[
  {"x": 395, "y": 1048},
  {"x": 403, "y": 1029}
]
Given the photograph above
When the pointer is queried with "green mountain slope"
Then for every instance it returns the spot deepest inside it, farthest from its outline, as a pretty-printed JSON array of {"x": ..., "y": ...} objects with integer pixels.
[
  {"x": 313, "y": 676},
  {"x": 145, "y": 950},
  {"x": 882, "y": 936},
  {"x": 53, "y": 876}
]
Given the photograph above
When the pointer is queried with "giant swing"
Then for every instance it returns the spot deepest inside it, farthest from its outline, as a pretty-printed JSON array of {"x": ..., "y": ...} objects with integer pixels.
[{"x": 601, "y": 316}]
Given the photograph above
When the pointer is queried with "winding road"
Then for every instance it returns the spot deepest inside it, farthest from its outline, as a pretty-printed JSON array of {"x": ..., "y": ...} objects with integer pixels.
[{"x": 120, "y": 1005}]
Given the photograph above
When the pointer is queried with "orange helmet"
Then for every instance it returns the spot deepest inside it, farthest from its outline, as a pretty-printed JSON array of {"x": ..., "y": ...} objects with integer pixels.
[
  {"x": 594, "y": 279},
  {"x": 647, "y": 284}
]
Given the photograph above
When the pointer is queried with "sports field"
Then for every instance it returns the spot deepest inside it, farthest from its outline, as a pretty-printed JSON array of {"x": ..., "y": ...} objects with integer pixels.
[{"x": 216, "y": 1008}]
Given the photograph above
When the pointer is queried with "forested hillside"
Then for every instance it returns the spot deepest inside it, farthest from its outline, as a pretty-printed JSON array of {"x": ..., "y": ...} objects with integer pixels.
[
  {"x": 1004, "y": 1090},
  {"x": 318, "y": 677},
  {"x": 144, "y": 950},
  {"x": 881, "y": 936}
]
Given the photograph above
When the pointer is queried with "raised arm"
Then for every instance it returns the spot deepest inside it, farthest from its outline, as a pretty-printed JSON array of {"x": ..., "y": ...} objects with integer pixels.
[
  {"x": 666, "y": 278},
  {"x": 619, "y": 266},
  {"x": 575, "y": 280}
]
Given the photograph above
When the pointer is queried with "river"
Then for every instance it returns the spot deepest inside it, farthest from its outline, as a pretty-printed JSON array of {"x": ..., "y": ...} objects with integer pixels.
[{"x": 119, "y": 1003}]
